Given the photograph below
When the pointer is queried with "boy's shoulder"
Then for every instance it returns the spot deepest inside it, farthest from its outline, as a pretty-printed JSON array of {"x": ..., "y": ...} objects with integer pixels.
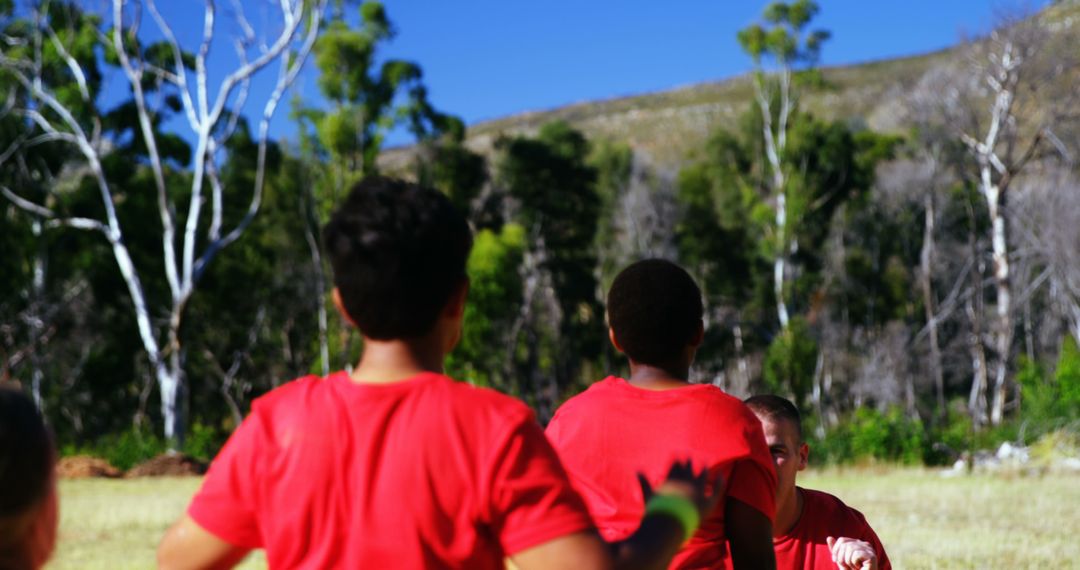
[
  {"x": 614, "y": 388},
  {"x": 830, "y": 506},
  {"x": 474, "y": 399},
  {"x": 308, "y": 393},
  {"x": 288, "y": 393}
]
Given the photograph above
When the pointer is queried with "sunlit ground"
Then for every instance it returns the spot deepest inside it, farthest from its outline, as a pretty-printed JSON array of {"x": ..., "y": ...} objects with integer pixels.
[{"x": 925, "y": 520}]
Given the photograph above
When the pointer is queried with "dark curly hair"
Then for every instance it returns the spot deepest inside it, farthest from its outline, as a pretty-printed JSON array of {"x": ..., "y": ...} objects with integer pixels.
[
  {"x": 654, "y": 308},
  {"x": 398, "y": 251}
]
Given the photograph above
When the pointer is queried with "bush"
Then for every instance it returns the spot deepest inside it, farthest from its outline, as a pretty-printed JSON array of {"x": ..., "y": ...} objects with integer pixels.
[
  {"x": 790, "y": 361},
  {"x": 122, "y": 450},
  {"x": 1067, "y": 378},
  {"x": 126, "y": 449},
  {"x": 1056, "y": 446},
  {"x": 1050, "y": 402},
  {"x": 869, "y": 435},
  {"x": 203, "y": 442},
  {"x": 947, "y": 442}
]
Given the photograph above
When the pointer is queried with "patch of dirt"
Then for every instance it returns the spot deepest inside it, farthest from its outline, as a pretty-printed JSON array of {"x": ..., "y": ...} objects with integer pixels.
[
  {"x": 83, "y": 466},
  {"x": 168, "y": 465}
]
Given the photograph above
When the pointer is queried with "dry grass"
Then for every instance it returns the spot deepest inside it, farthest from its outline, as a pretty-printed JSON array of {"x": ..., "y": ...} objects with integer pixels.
[
  {"x": 924, "y": 519},
  {"x": 928, "y": 521},
  {"x": 117, "y": 523}
]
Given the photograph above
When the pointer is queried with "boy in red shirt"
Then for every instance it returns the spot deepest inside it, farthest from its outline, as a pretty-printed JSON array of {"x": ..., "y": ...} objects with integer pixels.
[
  {"x": 394, "y": 465},
  {"x": 813, "y": 530},
  {"x": 618, "y": 427}
]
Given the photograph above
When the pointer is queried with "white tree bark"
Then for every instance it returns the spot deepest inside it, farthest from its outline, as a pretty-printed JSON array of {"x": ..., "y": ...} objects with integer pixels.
[
  {"x": 1002, "y": 76},
  {"x": 775, "y": 143},
  {"x": 301, "y": 23},
  {"x": 926, "y": 261}
]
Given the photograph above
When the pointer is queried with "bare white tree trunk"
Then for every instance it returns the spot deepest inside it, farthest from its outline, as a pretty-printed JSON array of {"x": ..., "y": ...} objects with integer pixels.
[
  {"x": 1002, "y": 76},
  {"x": 775, "y": 143},
  {"x": 817, "y": 395},
  {"x": 926, "y": 258},
  {"x": 1004, "y": 326},
  {"x": 320, "y": 284},
  {"x": 740, "y": 356},
  {"x": 974, "y": 307},
  {"x": 37, "y": 321}
]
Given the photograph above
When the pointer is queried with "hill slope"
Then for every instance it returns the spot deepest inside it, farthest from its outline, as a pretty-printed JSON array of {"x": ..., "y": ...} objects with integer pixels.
[{"x": 669, "y": 125}]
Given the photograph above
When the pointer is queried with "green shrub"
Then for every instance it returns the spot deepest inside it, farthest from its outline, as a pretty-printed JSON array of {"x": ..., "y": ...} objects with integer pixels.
[
  {"x": 869, "y": 435},
  {"x": 203, "y": 442},
  {"x": 790, "y": 361},
  {"x": 127, "y": 449},
  {"x": 1067, "y": 378},
  {"x": 1055, "y": 446},
  {"x": 123, "y": 450},
  {"x": 1050, "y": 402}
]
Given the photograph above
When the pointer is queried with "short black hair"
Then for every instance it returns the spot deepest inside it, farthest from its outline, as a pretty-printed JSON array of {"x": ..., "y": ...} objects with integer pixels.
[
  {"x": 654, "y": 308},
  {"x": 775, "y": 408},
  {"x": 398, "y": 251},
  {"x": 26, "y": 454}
]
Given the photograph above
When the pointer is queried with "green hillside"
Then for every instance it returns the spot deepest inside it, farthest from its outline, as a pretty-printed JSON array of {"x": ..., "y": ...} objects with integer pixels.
[{"x": 668, "y": 125}]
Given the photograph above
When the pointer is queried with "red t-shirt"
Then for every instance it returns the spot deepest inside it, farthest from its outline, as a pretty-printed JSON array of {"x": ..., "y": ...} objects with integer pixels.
[
  {"x": 804, "y": 547},
  {"x": 423, "y": 473},
  {"x": 614, "y": 430}
]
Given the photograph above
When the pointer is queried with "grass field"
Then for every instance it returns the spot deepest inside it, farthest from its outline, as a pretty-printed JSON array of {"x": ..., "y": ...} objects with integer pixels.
[{"x": 925, "y": 520}]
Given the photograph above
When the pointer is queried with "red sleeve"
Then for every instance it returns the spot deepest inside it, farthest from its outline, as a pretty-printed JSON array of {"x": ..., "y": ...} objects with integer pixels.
[
  {"x": 225, "y": 505},
  {"x": 753, "y": 479},
  {"x": 531, "y": 501},
  {"x": 553, "y": 431}
]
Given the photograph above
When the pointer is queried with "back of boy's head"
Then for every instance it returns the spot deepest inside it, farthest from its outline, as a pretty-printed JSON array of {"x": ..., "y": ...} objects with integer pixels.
[
  {"x": 654, "y": 308},
  {"x": 775, "y": 408},
  {"x": 398, "y": 251},
  {"x": 26, "y": 462}
]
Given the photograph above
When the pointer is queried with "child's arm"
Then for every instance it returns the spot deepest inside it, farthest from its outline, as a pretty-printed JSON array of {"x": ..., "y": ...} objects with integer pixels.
[
  {"x": 749, "y": 534},
  {"x": 187, "y": 545}
]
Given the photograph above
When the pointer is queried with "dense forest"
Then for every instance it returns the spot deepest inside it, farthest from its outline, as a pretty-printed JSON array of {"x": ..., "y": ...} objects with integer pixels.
[{"x": 915, "y": 290}]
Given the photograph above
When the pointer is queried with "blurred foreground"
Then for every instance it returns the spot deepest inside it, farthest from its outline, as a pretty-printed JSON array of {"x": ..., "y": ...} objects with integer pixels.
[{"x": 926, "y": 520}]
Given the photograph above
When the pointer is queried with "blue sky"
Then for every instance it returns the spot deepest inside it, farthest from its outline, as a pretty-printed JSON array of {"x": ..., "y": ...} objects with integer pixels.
[{"x": 484, "y": 59}]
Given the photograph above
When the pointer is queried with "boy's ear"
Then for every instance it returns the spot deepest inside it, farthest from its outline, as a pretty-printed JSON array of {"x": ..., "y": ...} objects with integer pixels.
[
  {"x": 699, "y": 335},
  {"x": 455, "y": 305},
  {"x": 804, "y": 455},
  {"x": 614, "y": 342},
  {"x": 336, "y": 295}
]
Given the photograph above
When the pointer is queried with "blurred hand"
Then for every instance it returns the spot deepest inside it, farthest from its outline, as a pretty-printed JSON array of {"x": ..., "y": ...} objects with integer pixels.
[
  {"x": 682, "y": 481},
  {"x": 852, "y": 554}
]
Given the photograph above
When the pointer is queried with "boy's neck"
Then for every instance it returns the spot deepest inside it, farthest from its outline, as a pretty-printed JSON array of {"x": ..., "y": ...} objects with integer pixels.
[
  {"x": 652, "y": 377},
  {"x": 388, "y": 361}
]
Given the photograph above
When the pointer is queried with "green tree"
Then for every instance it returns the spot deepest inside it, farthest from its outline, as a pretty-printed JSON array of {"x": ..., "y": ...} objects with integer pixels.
[
  {"x": 778, "y": 48},
  {"x": 552, "y": 189},
  {"x": 486, "y": 353},
  {"x": 368, "y": 99},
  {"x": 726, "y": 233}
]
